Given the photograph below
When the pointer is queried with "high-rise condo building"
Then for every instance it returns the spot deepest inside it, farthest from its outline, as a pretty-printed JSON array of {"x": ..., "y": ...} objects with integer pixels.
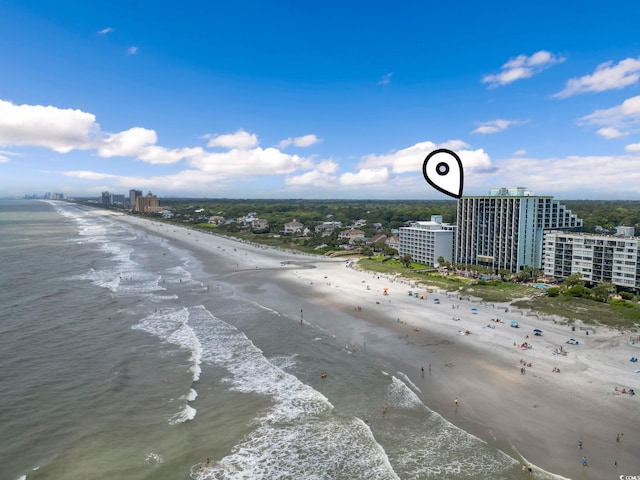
[
  {"x": 133, "y": 196},
  {"x": 596, "y": 258},
  {"x": 148, "y": 203},
  {"x": 504, "y": 230}
]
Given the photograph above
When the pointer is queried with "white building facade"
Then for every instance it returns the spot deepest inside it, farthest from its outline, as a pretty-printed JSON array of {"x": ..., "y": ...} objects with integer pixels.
[
  {"x": 427, "y": 241},
  {"x": 504, "y": 230},
  {"x": 597, "y": 258}
]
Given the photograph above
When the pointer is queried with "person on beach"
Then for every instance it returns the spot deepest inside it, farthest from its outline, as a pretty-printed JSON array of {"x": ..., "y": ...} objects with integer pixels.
[
  {"x": 456, "y": 401},
  {"x": 580, "y": 444},
  {"x": 584, "y": 462},
  {"x": 617, "y": 438}
]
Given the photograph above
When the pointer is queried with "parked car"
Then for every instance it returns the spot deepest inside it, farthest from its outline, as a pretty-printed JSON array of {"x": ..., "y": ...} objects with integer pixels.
[{"x": 573, "y": 341}]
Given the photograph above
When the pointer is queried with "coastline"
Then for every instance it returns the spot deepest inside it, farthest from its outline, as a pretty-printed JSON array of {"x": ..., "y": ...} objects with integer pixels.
[{"x": 539, "y": 416}]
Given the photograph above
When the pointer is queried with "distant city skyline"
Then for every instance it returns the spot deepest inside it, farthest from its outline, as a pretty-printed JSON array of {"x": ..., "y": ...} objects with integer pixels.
[{"x": 318, "y": 100}]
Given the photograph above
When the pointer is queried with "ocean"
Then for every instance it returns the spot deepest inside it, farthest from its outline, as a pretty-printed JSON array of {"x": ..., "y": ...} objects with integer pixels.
[{"x": 121, "y": 359}]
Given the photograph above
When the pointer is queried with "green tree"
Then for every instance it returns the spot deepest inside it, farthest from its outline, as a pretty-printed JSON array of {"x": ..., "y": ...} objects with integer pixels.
[
  {"x": 602, "y": 291},
  {"x": 406, "y": 260},
  {"x": 572, "y": 280}
]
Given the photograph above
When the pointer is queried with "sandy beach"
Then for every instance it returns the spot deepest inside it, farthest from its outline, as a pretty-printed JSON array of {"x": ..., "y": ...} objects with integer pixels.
[{"x": 466, "y": 354}]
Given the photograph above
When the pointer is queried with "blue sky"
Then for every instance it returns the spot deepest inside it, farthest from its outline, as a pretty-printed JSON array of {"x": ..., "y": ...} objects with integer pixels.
[{"x": 331, "y": 99}]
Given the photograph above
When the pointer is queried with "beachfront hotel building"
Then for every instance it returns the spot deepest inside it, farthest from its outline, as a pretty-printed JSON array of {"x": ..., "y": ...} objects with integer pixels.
[
  {"x": 597, "y": 258},
  {"x": 504, "y": 230},
  {"x": 147, "y": 204},
  {"x": 427, "y": 241}
]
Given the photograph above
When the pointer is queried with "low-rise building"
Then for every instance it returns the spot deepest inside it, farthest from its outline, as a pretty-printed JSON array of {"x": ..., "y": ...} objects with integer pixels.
[
  {"x": 327, "y": 228},
  {"x": 351, "y": 234},
  {"x": 293, "y": 227}
]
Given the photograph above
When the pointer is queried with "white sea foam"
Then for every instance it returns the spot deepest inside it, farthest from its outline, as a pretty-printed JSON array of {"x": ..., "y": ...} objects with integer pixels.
[
  {"x": 191, "y": 396},
  {"x": 299, "y": 437},
  {"x": 409, "y": 382},
  {"x": 435, "y": 447},
  {"x": 173, "y": 326},
  {"x": 402, "y": 396},
  {"x": 184, "y": 415},
  {"x": 153, "y": 459}
]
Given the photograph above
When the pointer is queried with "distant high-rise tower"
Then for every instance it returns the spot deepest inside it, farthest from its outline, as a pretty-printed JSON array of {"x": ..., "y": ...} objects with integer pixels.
[
  {"x": 133, "y": 196},
  {"x": 147, "y": 203},
  {"x": 106, "y": 199},
  {"x": 504, "y": 230}
]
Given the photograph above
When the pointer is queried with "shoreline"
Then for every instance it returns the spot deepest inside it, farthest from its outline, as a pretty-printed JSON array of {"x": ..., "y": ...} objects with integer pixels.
[{"x": 538, "y": 416}]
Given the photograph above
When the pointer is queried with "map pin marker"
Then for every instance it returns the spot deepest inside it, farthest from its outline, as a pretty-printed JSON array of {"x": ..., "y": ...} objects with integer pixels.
[{"x": 443, "y": 170}]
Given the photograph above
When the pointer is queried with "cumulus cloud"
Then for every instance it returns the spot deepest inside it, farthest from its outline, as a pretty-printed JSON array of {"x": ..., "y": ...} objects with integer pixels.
[
  {"x": 385, "y": 79},
  {"x": 256, "y": 161},
  {"x": 522, "y": 67},
  {"x": 610, "y": 133},
  {"x": 132, "y": 50},
  {"x": 3, "y": 159},
  {"x": 633, "y": 147},
  {"x": 104, "y": 31},
  {"x": 365, "y": 176},
  {"x": 89, "y": 175},
  {"x": 607, "y": 76},
  {"x": 320, "y": 176},
  {"x": 616, "y": 119},
  {"x": 59, "y": 129},
  {"x": 410, "y": 159},
  {"x": 239, "y": 139},
  {"x": 494, "y": 126},
  {"x": 303, "y": 141},
  {"x": 520, "y": 152},
  {"x": 185, "y": 180},
  {"x": 615, "y": 174},
  {"x": 140, "y": 143}
]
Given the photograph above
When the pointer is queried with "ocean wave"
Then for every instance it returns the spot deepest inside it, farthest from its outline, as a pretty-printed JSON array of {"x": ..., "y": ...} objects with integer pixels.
[{"x": 300, "y": 436}]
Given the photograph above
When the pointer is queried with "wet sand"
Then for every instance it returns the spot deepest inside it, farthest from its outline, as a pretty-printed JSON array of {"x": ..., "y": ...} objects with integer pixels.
[{"x": 540, "y": 415}]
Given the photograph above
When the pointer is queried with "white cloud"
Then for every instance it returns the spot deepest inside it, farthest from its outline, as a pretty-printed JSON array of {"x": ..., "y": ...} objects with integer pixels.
[
  {"x": 303, "y": 141},
  {"x": 385, "y": 79},
  {"x": 139, "y": 143},
  {"x": 104, "y": 31},
  {"x": 366, "y": 176},
  {"x": 520, "y": 152},
  {"x": 410, "y": 159},
  {"x": 59, "y": 129},
  {"x": 3, "y": 159},
  {"x": 320, "y": 176},
  {"x": 132, "y": 50},
  {"x": 185, "y": 180},
  {"x": 522, "y": 67},
  {"x": 257, "y": 161},
  {"x": 607, "y": 76},
  {"x": 88, "y": 175},
  {"x": 610, "y": 133},
  {"x": 618, "y": 175},
  {"x": 129, "y": 143},
  {"x": 239, "y": 139},
  {"x": 314, "y": 178},
  {"x": 620, "y": 118},
  {"x": 494, "y": 126},
  {"x": 633, "y": 147}
]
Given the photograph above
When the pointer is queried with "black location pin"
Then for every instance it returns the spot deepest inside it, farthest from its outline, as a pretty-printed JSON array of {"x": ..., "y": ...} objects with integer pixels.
[{"x": 442, "y": 169}]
